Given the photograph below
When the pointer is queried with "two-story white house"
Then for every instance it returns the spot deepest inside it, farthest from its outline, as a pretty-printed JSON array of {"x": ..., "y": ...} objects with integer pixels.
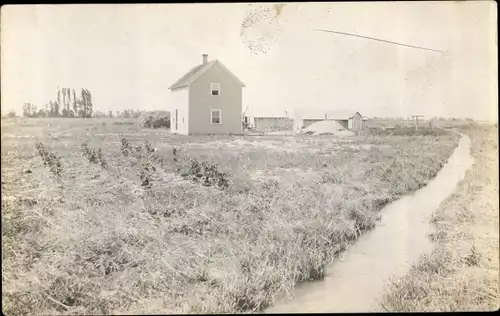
[{"x": 207, "y": 100}]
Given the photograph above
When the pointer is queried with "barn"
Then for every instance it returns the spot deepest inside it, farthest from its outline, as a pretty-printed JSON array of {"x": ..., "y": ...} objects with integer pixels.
[
  {"x": 272, "y": 123},
  {"x": 351, "y": 120}
]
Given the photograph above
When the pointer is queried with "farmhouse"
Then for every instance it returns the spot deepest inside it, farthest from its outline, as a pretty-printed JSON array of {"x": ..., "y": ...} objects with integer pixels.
[
  {"x": 207, "y": 100},
  {"x": 348, "y": 119}
]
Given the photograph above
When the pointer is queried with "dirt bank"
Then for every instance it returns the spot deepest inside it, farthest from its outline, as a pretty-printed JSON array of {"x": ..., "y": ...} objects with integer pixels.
[{"x": 462, "y": 273}]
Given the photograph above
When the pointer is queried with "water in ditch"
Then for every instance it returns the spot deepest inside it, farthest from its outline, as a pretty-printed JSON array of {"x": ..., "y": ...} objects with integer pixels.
[{"x": 356, "y": 281}]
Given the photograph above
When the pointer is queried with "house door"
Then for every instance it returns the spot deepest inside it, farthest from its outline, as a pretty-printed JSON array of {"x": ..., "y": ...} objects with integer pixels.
[{"x": 176, "y": 119}]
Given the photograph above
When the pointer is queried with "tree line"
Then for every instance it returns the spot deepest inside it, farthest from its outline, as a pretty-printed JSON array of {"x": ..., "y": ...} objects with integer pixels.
[
  {"x": 67, "y": 104},
  {"x": 118, "y": 114},
  {"x": 70, "y": 104}
]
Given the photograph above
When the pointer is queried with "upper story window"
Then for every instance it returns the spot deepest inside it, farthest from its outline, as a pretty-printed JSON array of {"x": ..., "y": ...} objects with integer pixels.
[{"x": 214, "y": 88}]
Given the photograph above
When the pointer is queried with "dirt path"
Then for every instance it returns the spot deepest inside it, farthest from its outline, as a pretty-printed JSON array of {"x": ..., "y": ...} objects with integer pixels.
[{"x": 358, "y": 279}]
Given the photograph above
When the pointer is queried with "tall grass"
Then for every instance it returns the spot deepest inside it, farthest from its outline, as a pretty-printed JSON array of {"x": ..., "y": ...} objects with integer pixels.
[{"x": 98, "y": 241}]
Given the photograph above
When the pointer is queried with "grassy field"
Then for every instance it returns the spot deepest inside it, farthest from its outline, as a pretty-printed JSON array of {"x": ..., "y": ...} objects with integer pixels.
[
  {"x": 462, "y": 274},
  {"x": 220, "y": 224}
]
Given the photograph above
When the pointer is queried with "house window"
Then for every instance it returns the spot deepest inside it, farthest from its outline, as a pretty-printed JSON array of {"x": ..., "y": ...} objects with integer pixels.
[
  {"x": 215, "y": 88},
  {"x": 215, "y": 116}
]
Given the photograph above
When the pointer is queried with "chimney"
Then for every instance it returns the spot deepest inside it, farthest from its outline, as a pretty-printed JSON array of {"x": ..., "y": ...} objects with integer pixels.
[{"x": 205, "y": 58}]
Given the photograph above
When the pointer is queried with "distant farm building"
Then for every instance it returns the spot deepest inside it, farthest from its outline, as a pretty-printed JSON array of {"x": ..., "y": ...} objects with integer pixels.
[
  {"x": 350, "y": 120},
  {"x": 207, "y": 100},
  {"x": 271, "y": 123}
]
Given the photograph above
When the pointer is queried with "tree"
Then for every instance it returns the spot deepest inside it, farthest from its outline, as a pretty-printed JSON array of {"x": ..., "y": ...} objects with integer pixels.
[
  {"x": 56, "y": 109},
  {"x": 30, "y": 110},
  {"x": 57, "y": 104},
  {"x": 68, "y": 106},
  {"x": 79, "y": 106},
  {"x": 70, "y": 102},
  {"x": 86, "y": 103},
  {"x": 11, "y": 114},
  {"x": 66, "y": 102},
  {"x": 99, "y": 114},
  {"x": 27, "y": 109},
  {"x": 136, "y": 113},
  {"x": 65, "y": 112},
  {"x": 41, "y": 113},
  {"x": 51, "y": 109},
  {"x": 34, "y": 110},
  {"x": 110, "y": 114},
  {"x": 75, "y": 104},
  {"x": 89, "y": 104},
  {"x": 83, "y": 104}
]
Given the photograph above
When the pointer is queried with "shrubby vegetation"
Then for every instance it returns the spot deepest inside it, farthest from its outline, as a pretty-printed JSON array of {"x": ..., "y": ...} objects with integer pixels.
[{"x": 237, "y": 221}]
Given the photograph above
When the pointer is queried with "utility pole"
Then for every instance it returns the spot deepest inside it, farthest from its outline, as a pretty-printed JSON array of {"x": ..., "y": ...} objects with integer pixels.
[{"x": 416, "y": 120}]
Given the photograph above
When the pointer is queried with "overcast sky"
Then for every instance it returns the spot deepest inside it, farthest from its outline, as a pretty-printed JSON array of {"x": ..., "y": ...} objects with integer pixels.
[{"x": 128, "y": 55}]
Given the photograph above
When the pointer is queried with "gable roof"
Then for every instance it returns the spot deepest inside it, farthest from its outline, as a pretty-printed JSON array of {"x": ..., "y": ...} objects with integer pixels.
[
  {"x": 197, "y": 71},
  {"x": 320, "y": 114}
]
